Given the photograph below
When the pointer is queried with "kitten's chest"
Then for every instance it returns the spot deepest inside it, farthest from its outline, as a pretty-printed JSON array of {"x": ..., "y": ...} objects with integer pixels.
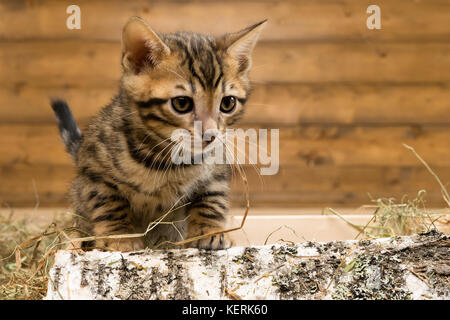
[{"x": 164, "y": 192}]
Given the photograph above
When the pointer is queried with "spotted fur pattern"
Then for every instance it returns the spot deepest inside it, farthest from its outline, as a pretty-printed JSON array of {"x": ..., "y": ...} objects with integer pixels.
[{"x": 125, "y": 177}]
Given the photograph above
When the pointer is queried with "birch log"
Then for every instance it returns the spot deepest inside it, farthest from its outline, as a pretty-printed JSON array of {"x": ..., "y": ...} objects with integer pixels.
[{"x": 409, "y": 267}]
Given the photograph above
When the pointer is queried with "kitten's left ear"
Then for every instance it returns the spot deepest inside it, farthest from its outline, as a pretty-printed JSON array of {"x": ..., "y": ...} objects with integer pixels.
[{"x": 239, "y": 46}]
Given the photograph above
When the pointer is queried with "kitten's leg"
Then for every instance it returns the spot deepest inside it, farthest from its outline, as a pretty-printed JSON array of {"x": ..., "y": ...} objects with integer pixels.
[
  {"x": 209, "y": 213},
  {"x": 109, "y": 214}
]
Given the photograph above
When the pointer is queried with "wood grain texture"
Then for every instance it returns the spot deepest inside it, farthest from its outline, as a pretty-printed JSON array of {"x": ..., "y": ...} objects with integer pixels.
[
  {"x": 345, "y": 98},
  {"x": 320, "y": 164},
  {"x": 25, "y": 185},
  {"x": 299, "y": 20},
  {"x": 270, "y": 105},
  {"x": 74, "y": 62},
  {"x": 307, "y": 145}
]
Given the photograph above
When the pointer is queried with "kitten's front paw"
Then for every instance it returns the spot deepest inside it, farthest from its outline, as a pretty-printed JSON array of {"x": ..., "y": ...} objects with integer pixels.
[
  {"x": 217, "y": 242},
  {"x": 124, "y": 245}
]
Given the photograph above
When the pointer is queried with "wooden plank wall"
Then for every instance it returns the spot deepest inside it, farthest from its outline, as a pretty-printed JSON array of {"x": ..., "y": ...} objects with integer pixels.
[{"x": 345, "y": 98}]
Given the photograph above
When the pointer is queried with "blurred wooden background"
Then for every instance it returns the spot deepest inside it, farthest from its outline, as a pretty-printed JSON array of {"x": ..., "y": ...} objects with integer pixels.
[{"x": 344, "y": 97}]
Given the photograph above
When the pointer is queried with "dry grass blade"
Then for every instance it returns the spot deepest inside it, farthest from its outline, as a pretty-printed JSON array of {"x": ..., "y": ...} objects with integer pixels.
[
  {"x": 420, "y": 277},
  {"x": 18, "y": 260},
  {"x": 233, "y": 295},
  {"x": 443, "y": 189},
  {"x": 266, "y": 274},
  {"x": 340, "y": 265},
  {"x": 278, "y": 229}
]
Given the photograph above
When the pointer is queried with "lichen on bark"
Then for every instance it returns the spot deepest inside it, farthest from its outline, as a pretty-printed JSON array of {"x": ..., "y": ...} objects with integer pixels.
[{"x": 410, "y": 267}]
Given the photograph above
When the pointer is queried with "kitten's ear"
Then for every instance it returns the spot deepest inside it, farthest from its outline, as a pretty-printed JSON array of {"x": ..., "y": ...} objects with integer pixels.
[
  {"x": 141, "y": 46},
  {"x": 240, "y": 45}
]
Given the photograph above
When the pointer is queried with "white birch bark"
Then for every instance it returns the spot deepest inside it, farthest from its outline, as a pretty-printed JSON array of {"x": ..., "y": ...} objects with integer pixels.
[{"x": 410, "y": 267}]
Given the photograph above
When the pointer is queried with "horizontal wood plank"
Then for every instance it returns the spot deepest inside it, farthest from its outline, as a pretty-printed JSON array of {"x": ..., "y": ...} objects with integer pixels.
[
  {"x": 270, "y": 105},
  {"x": 301, "y": 19},
  {"x": 307, "y": 145},
  {"x": 382, "y": 180},
  {"x": 291, "y": 187},
  {"x": 78, "y": 63}
]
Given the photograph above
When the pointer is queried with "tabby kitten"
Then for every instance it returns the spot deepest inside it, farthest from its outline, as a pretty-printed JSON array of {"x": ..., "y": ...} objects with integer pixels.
[{"x": 126, "y": 178}]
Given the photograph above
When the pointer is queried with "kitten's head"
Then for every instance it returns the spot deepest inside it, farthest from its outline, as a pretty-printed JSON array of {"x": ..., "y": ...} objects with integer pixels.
[{"x": 175, "y": 79}]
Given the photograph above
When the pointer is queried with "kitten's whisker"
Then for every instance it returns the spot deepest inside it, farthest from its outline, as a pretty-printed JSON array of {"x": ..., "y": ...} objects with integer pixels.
[
  {"x": 257, "y": 145},
  {"x": 160, "y": 161},
  {"x": 251, "y": 142},
  {"x": 230, "y": 164},
  {"x": 154, "y": 159},
  {"x": 155, "y": 147},
  {"x": 159, "y": 153},
  {"x": 151, "y": 167},
  {"x": 255, "y": 167},
  {"x": 237, "y": 163},
  {"x": 166, "y": 164},
  {"x": 178, "y": 167},
  {"x": 231, "y": 154},
  {"x": 170, "y": 163},
  {"x": 143, "y": 141}
]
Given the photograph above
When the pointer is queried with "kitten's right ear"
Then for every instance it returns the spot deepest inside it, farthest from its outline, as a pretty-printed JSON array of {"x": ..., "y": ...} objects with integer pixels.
[{"x": 141, "y": 46}]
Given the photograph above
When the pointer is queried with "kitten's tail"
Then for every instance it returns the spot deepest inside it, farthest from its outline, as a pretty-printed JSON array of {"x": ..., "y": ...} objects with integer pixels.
[{"x": 70, "y": 133}]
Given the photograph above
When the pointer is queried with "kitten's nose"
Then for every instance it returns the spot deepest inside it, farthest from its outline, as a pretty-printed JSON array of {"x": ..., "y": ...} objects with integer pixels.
[
  {"x": 209, "y": 128},
  {"x": 208, "y": 123}
]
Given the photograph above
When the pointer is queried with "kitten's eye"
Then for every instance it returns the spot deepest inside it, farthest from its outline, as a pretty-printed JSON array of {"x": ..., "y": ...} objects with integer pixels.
[
  {"x": 182, "y": 104},
  {"x": 228, "y": 104}
]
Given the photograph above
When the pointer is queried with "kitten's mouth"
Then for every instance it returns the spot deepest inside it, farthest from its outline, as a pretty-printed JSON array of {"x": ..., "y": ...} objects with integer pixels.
[
  {"x": 199, "y": 154},
  {"x": 206, "y": 150},
  {"x": 205, "y": 144}
]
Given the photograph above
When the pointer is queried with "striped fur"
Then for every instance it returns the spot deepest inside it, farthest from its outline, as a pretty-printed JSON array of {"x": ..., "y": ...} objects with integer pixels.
[{"x": 125, "y": 179}]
